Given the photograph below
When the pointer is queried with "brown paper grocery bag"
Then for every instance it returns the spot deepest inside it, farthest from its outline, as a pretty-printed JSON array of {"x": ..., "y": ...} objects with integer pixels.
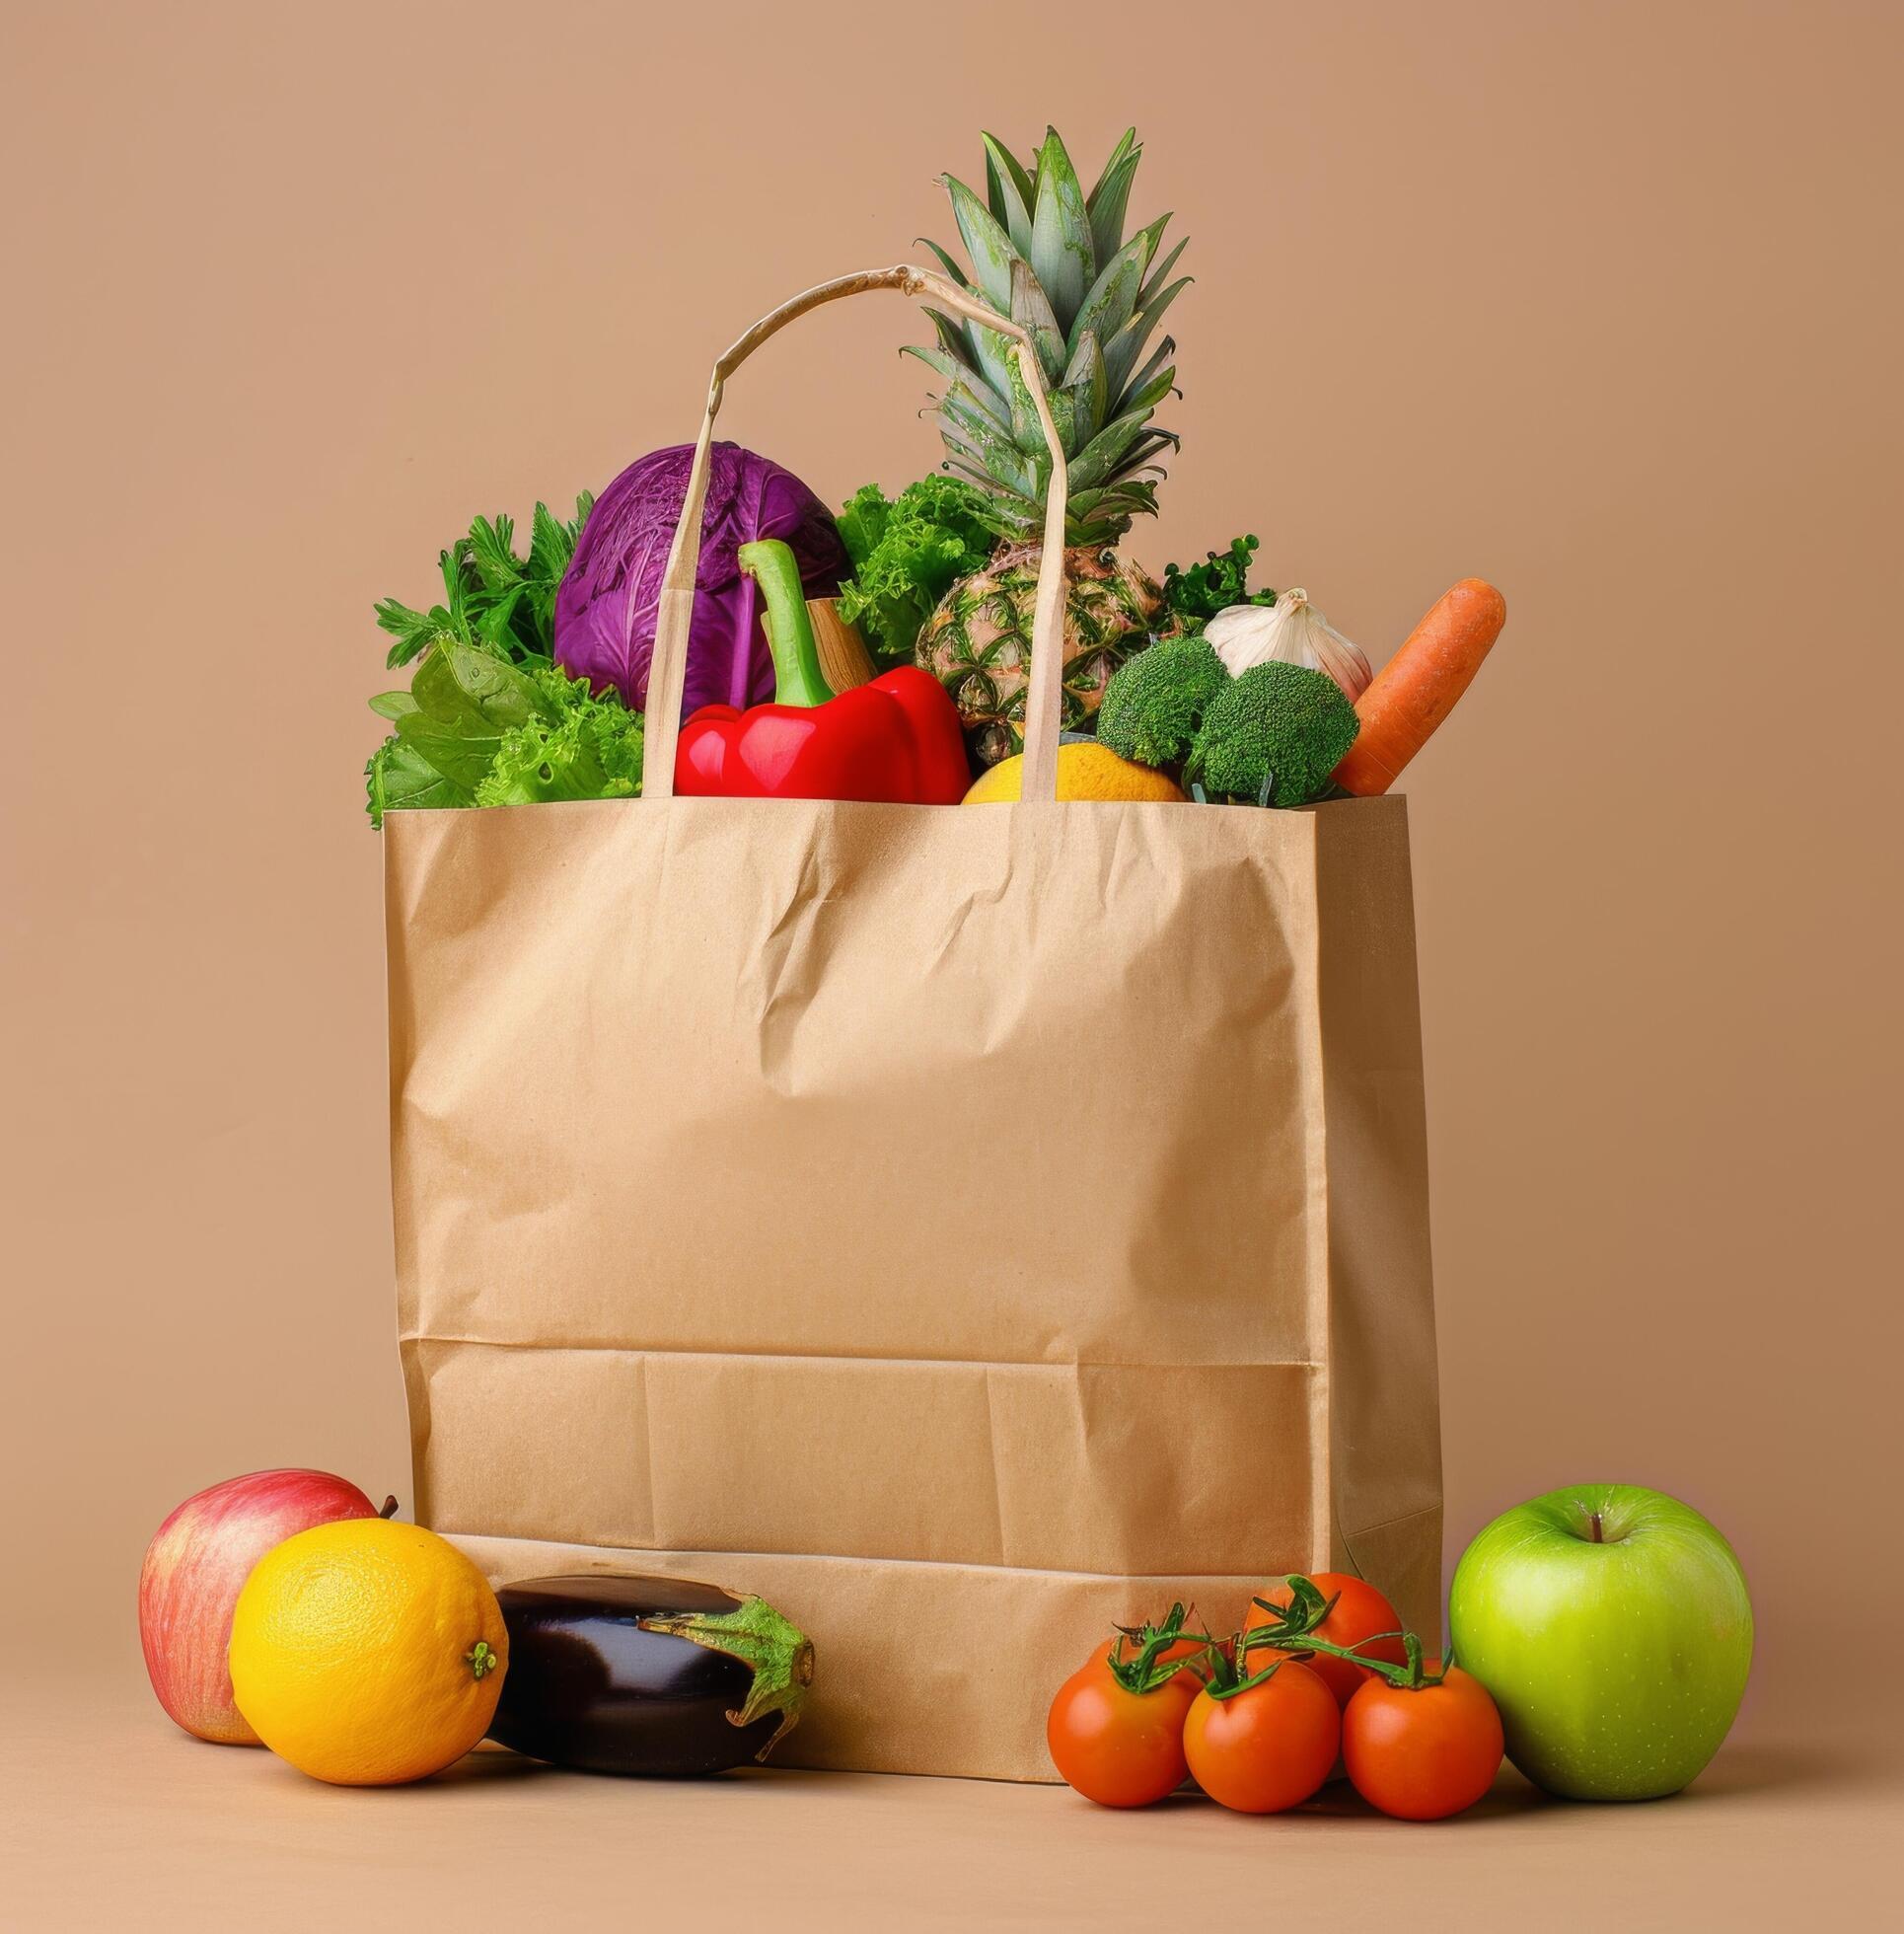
[{"x": 964, "y": 1227}]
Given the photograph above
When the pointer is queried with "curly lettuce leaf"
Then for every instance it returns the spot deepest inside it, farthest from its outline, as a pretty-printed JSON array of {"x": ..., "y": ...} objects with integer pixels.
[
  {"x": 474, "y": 730},
  {"x": 591, "y": 751},
  {"x": 907, "y": 553}
]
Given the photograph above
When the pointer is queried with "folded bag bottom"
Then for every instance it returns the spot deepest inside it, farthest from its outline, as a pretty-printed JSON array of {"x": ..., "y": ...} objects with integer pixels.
[{"x": 949, "y": 1668}]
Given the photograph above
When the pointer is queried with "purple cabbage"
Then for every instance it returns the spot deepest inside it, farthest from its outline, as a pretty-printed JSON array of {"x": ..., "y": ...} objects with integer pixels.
[{"x": 605, "y": 609}]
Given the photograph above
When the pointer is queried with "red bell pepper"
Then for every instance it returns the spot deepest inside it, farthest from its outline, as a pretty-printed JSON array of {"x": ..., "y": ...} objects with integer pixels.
[{"x": 897, "y": 738}]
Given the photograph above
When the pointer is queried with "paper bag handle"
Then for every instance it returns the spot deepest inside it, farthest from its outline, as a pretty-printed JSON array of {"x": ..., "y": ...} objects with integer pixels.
[{"x": 668, "y": 667}]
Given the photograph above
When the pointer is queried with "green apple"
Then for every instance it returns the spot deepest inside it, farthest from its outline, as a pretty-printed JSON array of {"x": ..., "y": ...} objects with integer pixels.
[{"x": 1613, "y": 1627}]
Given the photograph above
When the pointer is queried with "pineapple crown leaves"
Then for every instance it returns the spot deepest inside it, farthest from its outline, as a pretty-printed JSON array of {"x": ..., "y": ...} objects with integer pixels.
[{"x": 1056, "y": 262}]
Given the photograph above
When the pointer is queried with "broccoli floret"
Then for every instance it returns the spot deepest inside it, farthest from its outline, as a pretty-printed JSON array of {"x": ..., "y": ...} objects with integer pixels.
[
  {"x": 1274, "y": 736},
  {"x": 1154, "y": 703}
]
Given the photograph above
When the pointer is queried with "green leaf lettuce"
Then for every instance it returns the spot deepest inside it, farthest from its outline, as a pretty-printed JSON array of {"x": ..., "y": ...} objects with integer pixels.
[
  {"x": 907, "y": 553},
  {"x": 481, "y": 732}
]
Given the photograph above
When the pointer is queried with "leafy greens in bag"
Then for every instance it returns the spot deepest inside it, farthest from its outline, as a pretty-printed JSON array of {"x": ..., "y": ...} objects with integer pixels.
[
  {"x": 474, "y": 730},
  {"x": 906, "y": 554},
  {"x": 489, "y": 719},
  {"x": 490, "y": 594}
]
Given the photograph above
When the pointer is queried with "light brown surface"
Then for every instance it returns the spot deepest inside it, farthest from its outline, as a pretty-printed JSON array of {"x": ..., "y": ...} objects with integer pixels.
[
  {"x": 186, "y": 1835},
  {"x": 1598, "y": 302}
]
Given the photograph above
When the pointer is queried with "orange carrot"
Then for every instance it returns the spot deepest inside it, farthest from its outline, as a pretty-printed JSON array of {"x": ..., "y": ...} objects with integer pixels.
[{"x": 1416, "y": 689}]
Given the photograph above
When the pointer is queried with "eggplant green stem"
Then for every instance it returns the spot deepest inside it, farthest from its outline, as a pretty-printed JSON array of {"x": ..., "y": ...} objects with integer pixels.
[
  {"x": 797, "y": 677},
  {"x": 772, "y": 1648}
]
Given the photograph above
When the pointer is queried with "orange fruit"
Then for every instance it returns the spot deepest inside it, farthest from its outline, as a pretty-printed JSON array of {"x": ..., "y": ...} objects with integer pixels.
[{"x": 368, "y": 1653}]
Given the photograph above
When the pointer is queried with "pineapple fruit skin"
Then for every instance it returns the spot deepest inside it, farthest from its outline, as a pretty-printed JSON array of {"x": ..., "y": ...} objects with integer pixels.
[{"x": 977, "y": 642}]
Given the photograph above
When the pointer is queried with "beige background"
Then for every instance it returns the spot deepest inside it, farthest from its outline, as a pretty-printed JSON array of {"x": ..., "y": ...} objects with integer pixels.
[{"x": 1598, "y": 301}]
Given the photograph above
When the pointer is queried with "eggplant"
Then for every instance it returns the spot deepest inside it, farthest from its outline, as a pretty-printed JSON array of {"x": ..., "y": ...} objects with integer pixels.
[{"x": 614, "y": 1673}]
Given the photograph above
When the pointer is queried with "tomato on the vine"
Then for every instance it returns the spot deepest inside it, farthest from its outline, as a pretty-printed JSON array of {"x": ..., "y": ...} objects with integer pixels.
[
  {"x": 1124, "y": 1649},
  {"x": 1266, "y": 1746},
  {"x": 1422, "y": 1752},
  {"x": 1115, "y": 1746},
  {"x": 1360, "y": 1612}
]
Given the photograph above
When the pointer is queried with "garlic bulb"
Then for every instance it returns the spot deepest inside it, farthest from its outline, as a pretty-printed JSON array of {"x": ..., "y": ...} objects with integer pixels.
[{"x": 1293, "y": 630}]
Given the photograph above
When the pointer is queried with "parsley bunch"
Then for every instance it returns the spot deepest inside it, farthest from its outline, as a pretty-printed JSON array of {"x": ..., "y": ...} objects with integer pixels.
[
  {"x": 491, "y": 596},
  {"x": 1198, "y": 592}
]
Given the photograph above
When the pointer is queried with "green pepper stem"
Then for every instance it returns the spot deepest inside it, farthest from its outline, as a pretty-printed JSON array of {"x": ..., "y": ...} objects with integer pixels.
[{"x": 797, "y": 677}]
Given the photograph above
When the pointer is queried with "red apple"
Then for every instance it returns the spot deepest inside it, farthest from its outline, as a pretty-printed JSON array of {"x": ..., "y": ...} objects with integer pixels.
[{"x": 195, "y": 1569}]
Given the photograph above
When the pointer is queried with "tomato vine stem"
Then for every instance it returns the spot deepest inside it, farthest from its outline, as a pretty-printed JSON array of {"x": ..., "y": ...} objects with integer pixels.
[
  {"x": 1291, "y": 1632},
  {"x": 1149, "y": 1670}
]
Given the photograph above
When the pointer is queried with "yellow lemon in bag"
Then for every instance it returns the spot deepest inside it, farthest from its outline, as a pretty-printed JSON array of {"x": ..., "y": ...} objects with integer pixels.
[
  {"x": 368, "y": 1653},
  {"x": 1085, "y": 771}
]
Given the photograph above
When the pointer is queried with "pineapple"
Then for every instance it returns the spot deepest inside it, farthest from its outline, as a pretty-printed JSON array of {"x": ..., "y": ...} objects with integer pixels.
[{"x": 1056, "y": 262}]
